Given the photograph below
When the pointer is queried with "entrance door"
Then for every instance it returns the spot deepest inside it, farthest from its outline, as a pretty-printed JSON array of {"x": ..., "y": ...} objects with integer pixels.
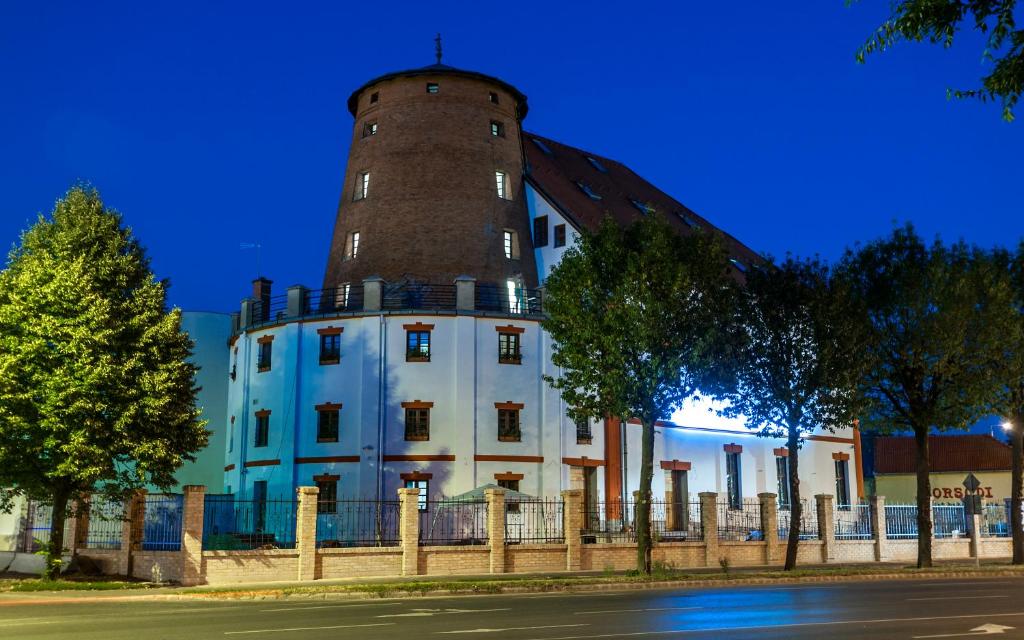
[
  {"x": 259, "y": 505},
  {"x": 680, "y": 501}
]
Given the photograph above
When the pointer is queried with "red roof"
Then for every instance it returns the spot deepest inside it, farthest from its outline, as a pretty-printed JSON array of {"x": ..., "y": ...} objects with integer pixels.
[
  {"x": 948, "y": 453},
  {"x": 562, "y": 175}
]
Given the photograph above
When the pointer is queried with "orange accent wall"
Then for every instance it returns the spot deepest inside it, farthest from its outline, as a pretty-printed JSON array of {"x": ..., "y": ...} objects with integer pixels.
[{"x": 613, "y": 464}]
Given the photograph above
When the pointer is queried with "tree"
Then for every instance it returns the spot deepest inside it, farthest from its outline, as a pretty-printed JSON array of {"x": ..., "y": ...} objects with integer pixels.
[
  {"x": 930, "y": 341},
  {"x": 796, "y": 366},
  {"x": 633, "y": 316},
  {"x": 95, "y": 388},
  {"x": 938, "y": 22}
]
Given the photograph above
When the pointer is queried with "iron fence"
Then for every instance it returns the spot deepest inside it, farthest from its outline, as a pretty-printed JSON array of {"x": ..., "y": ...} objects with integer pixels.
[
  {"x": 900, "y": 521},
  {"x": 676, "y": 521},
  {"x": 534, "y": 522},
  {"x": 740, "y": 524},
  {"x": 413, "y": 295},
  {"x": 35, "y": 532},
  {"x": 333, "y": 300},
  {"x": 106, "y": 524},
  {"x": 357, "y": 523},
  {"x": 272, "y": 309},
  {"x": 995, "y": 520},
  {"x": 230, "y": 524},
  {"x": 453, "y": 522},
  {"x": 853, "y": 522},
  {"x": 610, "y": 521},
  {"x": 949, "y": 521},
  {"x": 500, "y": 299},
  {"x": 161, "y": 524},
  {"x": 809, "y": 529}
]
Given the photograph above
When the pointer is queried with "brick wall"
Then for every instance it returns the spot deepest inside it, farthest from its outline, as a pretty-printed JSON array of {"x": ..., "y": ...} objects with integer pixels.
[
  {"x": 454, "y": 560},
  {"x": 358, "y": 562},
  {"x": 227, "y": 567},
  {"x": 535, "y": 558},
  {"x": 162, "y": 566}
]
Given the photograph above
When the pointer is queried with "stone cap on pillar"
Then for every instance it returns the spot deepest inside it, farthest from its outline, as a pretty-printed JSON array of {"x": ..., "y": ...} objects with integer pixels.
[
  {"x": 307, "y": 490},
  {"x": 194, "y": 488},
  {"x": 409, "y": 491},
  {"x": 767, "y": 495},
  {"x": 465, "y": 293}
]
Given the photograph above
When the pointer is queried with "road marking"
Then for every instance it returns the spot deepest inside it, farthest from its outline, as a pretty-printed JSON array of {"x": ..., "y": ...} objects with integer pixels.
[
  {"x": 954, "y": 598},
  {"x": 786, "y": 626},
  {"x": 983, "y": 630},
  {"x": 5, "y": 625},
  {"x": 334, "y": 606},
  {"x": 982, "y": 582},
  {"x": 549, "y": 626},
  {"x": 587, "y": 613},
  {"x": 426, "y": 613},
  {"x": 337, "y": 626}
]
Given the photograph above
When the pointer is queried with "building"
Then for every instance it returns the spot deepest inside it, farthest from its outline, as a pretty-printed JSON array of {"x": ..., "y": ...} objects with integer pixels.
[
  {"x": 953, "y": 457},
  {"x": 420, "y": 360}
]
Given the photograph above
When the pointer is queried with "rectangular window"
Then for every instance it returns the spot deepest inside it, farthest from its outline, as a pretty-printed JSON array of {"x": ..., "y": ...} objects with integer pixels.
[
  {"x": 734, "y": 482},
  {"x": 540, "y": 231},
  {"x": 330, "y": 348},
  {"x": 374, "y": 97},
  {"x": 584, "y": 435},
  {"x": 501, "y": 179},
  {"x": 508, "y": 425},
  {"x": 511, "y": 241},
  {"x": 494, "y": 97},
  {"x": 327, "y": 420},
  {"x": 508, "y": 348},
  {"x": 843, "y": 484},
  {"x": 424, "y": 487},
  {"x": 559, "y": 235},
  {"x": 342, "y": 295},
  {"x": 497, "y": 129},
  {"x": 362, "y": 186},
  {"x": 262, "y": 435},
  {"x": 417, "y": 348},
  {"x": 417, "y": 424},
  {"x": 782, "y": 473},
  {"x": 327, "y": 499},
  {"x": 432, "y": 87},
  {"x": 263, "y": 356},
  {"x": 369, "y": 129},
  {"x": 511, "y": 485},
  {"x": 351, "y": 245}
]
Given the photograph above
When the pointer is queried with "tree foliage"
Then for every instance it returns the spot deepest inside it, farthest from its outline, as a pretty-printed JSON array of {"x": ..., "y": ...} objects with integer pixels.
[
  {"x": 938, "y": 21},
  {"x": 796, "y": 362},
  {"x": 95, "y": 388},
  {"x": 634, "y": 317}
]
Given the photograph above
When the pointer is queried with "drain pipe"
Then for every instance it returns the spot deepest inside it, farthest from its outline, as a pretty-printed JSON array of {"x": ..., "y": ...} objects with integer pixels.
[{"x": 381, "y": 398}]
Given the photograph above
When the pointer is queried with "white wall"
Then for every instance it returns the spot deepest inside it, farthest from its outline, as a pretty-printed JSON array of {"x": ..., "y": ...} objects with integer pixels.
[{"x": 548, "y": 256}]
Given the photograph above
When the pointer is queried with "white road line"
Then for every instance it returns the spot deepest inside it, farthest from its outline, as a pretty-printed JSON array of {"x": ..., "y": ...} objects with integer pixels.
[
  {"x": 426, "y": 613},
  {"x": 549, "y": 626},
  {"x": 954, "y": 598},
  {"x": 785, "y": 626},
  {"x": 981, "y": 582},
  {"x": 5, "y": 625},
  {"x": 337, "y": 626},
  {"x": 334, "y": 606},
  {"x": 587, "y": 613}
]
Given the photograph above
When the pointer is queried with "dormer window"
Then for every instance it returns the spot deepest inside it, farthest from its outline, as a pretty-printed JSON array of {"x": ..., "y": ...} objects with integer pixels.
[
  {"x": 432, "y": 87},
  {"x": 643, "y": 207},
  {"x": 597, "y": 165},
  {"x": 688, "y": 220},
  {"x": 587, "y": 190},
  {"x": 740, "y": 266},
  {"x": 543, "y": 147}
]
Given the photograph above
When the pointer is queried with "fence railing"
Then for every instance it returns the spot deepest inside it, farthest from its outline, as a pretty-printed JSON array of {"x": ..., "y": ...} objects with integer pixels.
[
  {"x": 230, "y": 524},
  {"x": 743, "y": 523},
  {"x": 853, "y": 522},
  {"x": 357, "y": 523},
  {"x": 334, "y": 300},
  {"x": 950, "y": 521},
  {"x": 106, "y": 524},
  {"x": 900, "y": 521},
  {"x": 995, "y": 520},
  {"x": 272, "y": 309},
  {"x": 161, "y": 525},
  {"x": 453, "y": 522},
  {"x": 809, "y": 529},
  {"x": 609, "y": 521},
  {"x": 499, "y": 299},
  {"x": 534, "y": 522},
  {"x": 676, "y": 521},
  {"x": 418, "y": 296},
  {"x": 36, "y": 529}
]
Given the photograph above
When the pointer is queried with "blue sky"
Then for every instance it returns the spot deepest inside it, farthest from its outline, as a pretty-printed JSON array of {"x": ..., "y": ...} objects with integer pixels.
[{"x": 210, "y": 124}]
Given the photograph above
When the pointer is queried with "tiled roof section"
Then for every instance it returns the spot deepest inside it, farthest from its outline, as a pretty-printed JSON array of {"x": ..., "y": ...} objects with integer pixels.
[
  {"x": 558, "y": 175},
  {"x": 948, "y": 453}
]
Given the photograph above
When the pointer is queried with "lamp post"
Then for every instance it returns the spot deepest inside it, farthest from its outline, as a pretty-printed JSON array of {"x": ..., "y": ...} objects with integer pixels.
[{"x": 1016, "y": 435}]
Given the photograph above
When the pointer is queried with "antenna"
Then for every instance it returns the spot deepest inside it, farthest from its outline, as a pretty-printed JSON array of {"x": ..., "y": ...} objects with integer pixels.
[
  {"x": 437, "y": 48},
  {"x": 244, "y": 246}
]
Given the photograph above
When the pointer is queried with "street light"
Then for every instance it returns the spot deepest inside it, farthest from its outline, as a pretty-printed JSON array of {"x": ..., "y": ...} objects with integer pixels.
[{"x": 1007, "y": 425}]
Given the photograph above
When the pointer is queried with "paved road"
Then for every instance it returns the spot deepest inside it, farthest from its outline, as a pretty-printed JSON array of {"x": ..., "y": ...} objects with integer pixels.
[{"x": 879, "y": 610}]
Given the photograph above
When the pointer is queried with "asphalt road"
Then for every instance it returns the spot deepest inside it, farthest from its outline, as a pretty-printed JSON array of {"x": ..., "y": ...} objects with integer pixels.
[{"x": 878, "y": 610}]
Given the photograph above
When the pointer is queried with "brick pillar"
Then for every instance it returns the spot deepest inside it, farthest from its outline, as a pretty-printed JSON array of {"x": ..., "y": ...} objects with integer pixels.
[
  {"x": 975, "y": 524},
  {"x": 245, "y": 313},
  {"x": 826, "y": 525},
  {"x": 572, "y": 524},
  {"x": 131, "y": 532},
  {"x": 409, "y": 530},
  {"x": 770, "y": 525},
  {"x": 192, "y": 535},
  {"x": 305, "y": 531},
  {"x": 71, "y": 531},
  {"x": 878, "y": 528},
  {"x": 496, "y": 528},
  {"x": 709, "y": 525}
]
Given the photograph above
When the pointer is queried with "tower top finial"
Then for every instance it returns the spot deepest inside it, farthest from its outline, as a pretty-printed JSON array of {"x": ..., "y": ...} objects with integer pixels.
[{"x": 437, "y": 48}]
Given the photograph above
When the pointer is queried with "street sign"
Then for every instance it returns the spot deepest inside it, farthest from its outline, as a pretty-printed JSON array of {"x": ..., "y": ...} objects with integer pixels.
[
  {"x": 972, "y": 504},
  {"x": 971, "y": 482}
]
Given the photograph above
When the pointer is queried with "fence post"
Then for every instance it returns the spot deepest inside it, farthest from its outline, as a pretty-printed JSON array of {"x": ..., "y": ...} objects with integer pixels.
[
  {"x": 496, "y": 528},
  {"x": 975, "y": 524},
  {"x": 880, "y": 531},
  {"x": 826, "y": 525},
  {"x": 572, "y": 525},
  {"x": 131, "y": 532},
  {"x": 770, "y": 525},
  {"x": 305, "y": 531},
  {"x": 192, "y": 512},
  {"x": 409, "y": 530},
  {"x": 709, "y": 524}
]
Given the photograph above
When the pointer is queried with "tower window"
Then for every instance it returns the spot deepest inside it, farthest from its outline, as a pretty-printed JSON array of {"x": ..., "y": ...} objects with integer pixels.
[
  {"x": 342, "y": 295},
  {"x": 585, "y": 188},
  {"x": 417, "y": 424},
  {"x": 417, "y": 346},
  {"x": 597, "y": 165},
  {"x": 497, "y": 129},
  {"x": 543, "y": 147},
  {"x": 369, "y": 129},
  {"x": 559, "y": 235},
  {"x": 374, "y": 97},
  {"x": 540, "y": 231},
  {"x": 432, "y": 87},
  {"x": 511, "y": 239},
  {"x": 351, "y": 245},
  {"x": 362, "y": 186},
  {"x": 508, "y": 348},
  {"x": 508, "y": 425},
  {"x": 262, "y": 435},
  {"x": 501, "y": 179},
  {"x": 494, "y": 97},
  {"x": 327, "y": 418}
]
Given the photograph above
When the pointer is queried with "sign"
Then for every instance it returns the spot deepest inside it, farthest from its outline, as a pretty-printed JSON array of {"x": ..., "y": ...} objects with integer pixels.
[{"x": 971, "y": 482}]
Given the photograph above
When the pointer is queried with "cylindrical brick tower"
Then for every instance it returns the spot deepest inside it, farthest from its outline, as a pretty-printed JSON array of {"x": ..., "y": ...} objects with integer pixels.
[{"x": 434, "y": 181}]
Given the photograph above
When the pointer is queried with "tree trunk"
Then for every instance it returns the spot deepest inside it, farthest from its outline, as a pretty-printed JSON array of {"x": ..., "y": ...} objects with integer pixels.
[
  {"x": 924, "y": 499},
  {"x": 796, "y": 507},
  {"x": 643, "y": 503},
  {"x": 55, "y": 549},
  {"x": 1017, "y": 487}
]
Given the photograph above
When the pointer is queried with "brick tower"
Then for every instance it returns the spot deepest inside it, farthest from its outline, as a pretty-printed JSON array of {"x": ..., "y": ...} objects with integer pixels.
[{"x": 434, "y": 182}]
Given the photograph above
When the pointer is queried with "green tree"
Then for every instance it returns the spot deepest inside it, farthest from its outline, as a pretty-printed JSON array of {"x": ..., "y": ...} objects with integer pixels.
[
  {"x": 930, "y": 342},
  {"x": 938, "y": 21},
  {"x": 796, "y": 363},
  {"x": 95, "y": 388},
  {"x": 634, "y": 316}
]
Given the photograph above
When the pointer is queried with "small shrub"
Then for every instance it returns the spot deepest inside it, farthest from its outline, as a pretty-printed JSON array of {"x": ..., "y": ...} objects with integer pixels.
[{"x": 724, "y": 563}]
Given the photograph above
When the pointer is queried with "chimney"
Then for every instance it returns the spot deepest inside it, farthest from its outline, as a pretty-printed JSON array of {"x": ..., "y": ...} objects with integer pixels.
[{"x": 261, "y": 296}]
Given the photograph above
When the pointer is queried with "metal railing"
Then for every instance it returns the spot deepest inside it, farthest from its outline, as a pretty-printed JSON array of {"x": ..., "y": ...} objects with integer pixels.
[
  {"x": 900, "y": 521},
  {"x": 740, "y": 524},
  {"x": 414, "y": 295},
  {"x": 676, "y": 521},
  {"x": 230, "y": 524},
  {"x": 615, "y": 521},
  {"x": 809, "y": 529},
  {"x": 272, "y": 309},
  {"x": 853, "y": 522},
  {"x": 35, "y": 531},
  {"x": 453, "y": 522},
  {"x": 534, "y": 522},
  {"x": 950, "y": 521},
  {"x": 333, "y": 300},
  {"x": 106, "y": 524},
  {"x": 995, "y": 520},
  {"x": 357, "y": 523},
  {"x": 499, "y": 299},
  {"x": 161, "y": 524}
]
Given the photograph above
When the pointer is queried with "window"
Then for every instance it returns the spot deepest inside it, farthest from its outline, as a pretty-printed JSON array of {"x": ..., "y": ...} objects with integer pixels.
[
  {"x": 515, "y": 296},
  {"x": 374, "y": 97},
  {"x": 351, "y": 245},
  {"x": 644, "y": 208},
  {"x": 231, "y": 435},
  {"x": 494, "y": 97},
  {"x": 501, "y": 180},
  {"x": 511, "y": 241},
  {"x": 262, "y": 435},
  {"x": 432, "y": 87},
  {"x": 842, "y": 484},
  {"x": 369, "y": 129},
  {"x": 587, "y": 190},
  {"x": 342, "y": 295},
  {"x": 417, "y": 424},
  {"x": 688, "y": 220},
  {"x": 327, "y": 499},
  {"x": 327, "y": 419},
  {"x": 540, "y": 231},
  {"x": 738, "y": 264},
  {"x": 559, "y": 235},
  {"x": 330, "y": 348},
  {"x": 511, "y": 485},
  {"x": 424, "y": 487},
  {"x": 508, "y": 425},
  {"x": 782, "y": 473},
  {"x": 497, "y": 129},
  {"x": 583, "y": 433},
  {"x": 597, "y": 165},
  {"x": 733, "y": 480},
  {"x": 362, "y": 186},
  {"x": 417, "y": 346},
  {"x": 508, "y": 348},
  {"x": 263, "y": 356},
  {"x": 543, "y": 147}
]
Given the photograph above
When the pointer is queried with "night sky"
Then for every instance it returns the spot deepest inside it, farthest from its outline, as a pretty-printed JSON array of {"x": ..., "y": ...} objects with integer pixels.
[{"x": 209, "y": 124}]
